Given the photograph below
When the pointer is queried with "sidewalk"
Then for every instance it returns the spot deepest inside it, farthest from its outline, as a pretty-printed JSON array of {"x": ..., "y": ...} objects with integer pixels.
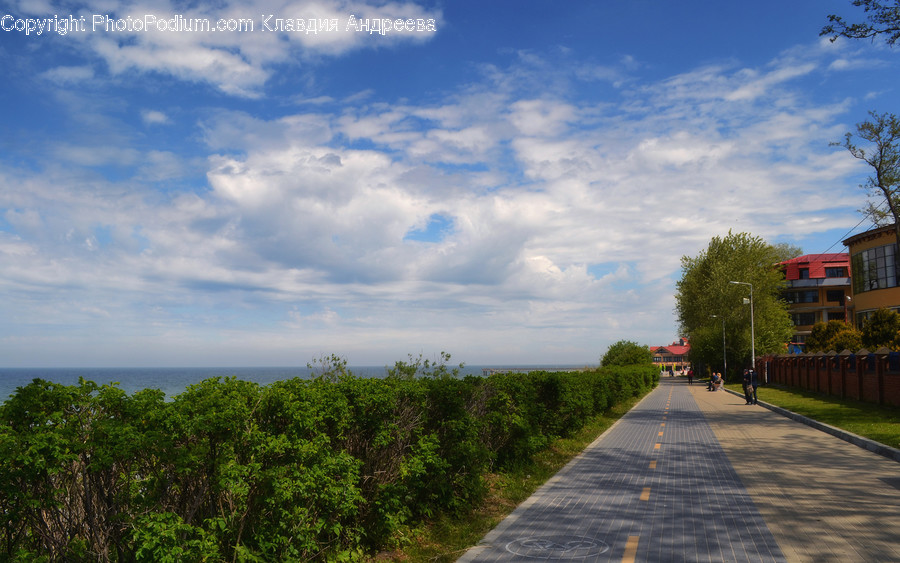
[
  {"x": 691, "y": 475},
  {"x": 823, "y": 499}
]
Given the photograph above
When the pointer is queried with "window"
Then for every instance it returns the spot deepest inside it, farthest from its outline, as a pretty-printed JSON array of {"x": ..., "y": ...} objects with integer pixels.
[
  {"x": 875, "y": 268},
  {"x": 806, "y": 296},
  {"x": 804, "y": 273},
  {"x": 803, "y": 319},
  {"x": 834, "y": 316},
  {"x": 835, "y": 295},
  {"x": 836, "y": 272}
]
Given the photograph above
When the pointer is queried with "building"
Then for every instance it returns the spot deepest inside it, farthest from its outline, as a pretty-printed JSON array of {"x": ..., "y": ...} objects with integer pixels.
[
  {"x": 674, "y": 356},
  {"x": 818, "y": 290},
  {"x": 873, "y": 256}
]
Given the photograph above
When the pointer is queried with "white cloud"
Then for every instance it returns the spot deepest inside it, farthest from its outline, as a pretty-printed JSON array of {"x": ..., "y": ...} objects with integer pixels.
[
  {"x": 154, "y": 117},
  {"x": 757, "y": 84},
  {"x": 304, "y": 229},
  {"x": 69, "y": 74},
  {"x": 241, "y": 58}
]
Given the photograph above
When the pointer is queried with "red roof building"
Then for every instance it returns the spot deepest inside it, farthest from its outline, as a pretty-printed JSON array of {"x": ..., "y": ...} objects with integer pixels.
[
  {"x": 674, "y": 356},
  {"x": 818, "y": 288}
]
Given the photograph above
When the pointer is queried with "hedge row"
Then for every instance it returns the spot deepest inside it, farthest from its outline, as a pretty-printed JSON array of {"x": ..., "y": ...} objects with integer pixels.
[{"x": 296, "y": 470}]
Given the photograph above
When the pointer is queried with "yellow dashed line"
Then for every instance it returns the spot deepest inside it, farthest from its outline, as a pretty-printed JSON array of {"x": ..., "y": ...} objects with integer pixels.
[
  {"x": 645, "y": 495},
  {"x": 653, "y": 464},
  {"x": 660, "y": 433},
  {"x": 656, "y": 447},
  {"x": 663, "y": 424},
  {"x": 630, "y": 549}
]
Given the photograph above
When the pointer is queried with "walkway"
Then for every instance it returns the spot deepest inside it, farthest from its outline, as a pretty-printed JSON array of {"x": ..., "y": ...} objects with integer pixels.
[{"x": 690, "y": 475}]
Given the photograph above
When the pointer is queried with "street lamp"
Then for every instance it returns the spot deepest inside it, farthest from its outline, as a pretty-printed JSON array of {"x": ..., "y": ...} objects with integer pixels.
[
  {"x": 752, "y": 330},
  {"x": 724, "y": 359}
]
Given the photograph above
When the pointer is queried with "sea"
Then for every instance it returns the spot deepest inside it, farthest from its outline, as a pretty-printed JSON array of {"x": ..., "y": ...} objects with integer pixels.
[{"x": 174, "y": 381}]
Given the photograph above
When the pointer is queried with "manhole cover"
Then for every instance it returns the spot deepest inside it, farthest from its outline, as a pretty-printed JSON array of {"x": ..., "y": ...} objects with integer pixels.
[{"x": 556, "y": 547}]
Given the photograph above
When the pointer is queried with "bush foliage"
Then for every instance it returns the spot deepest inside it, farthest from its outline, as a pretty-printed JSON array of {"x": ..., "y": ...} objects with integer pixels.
[
  {"x": 627, "y": 353},
  {"x": 330, "y": 468}
]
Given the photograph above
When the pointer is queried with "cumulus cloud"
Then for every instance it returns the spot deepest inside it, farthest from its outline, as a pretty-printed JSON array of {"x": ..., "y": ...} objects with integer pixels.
[{"x": 563, "y": 216}]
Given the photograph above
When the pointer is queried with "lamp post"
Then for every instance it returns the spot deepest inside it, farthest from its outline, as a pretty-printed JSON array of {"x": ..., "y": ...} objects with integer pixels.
[
  {"x": 752, "y": 330},
  {"x": 724, "y": 359},
  {"x": 847, "y": 301}
]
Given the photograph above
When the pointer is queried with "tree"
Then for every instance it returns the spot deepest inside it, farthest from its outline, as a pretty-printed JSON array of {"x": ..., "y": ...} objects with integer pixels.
[
  {"x": 705, "y": 289},
  {"x": 882, "y": 329},
  {"x": 627, "y": 353},
  {"x": 884, "y": 19},
  {"x": 833, "y": 335},
  {"x": 883, "y": 156},
  {"x": 786, "y": 251}
]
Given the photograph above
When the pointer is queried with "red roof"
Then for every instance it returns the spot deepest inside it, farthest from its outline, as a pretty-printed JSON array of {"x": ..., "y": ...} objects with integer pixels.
[
  {"x": 816, "y": 263},
  {"x": 675, "y": 349}
]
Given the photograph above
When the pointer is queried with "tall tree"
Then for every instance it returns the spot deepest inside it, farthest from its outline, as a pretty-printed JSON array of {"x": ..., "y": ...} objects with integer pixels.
[
  {"x": 705, "y": 289},
  {"x": 883, "y": 156},
  {"x": 883, "y": 19}
]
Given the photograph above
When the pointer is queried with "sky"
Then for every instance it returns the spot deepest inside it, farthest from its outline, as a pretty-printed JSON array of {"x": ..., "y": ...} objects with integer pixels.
[{"x": 509, "y": 182}]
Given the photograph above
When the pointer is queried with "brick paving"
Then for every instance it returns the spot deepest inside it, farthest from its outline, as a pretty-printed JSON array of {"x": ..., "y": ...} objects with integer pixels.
[
  {"x": 691, "y": 475},
  {"x": 824, "y": 499},
  {"x": 657, "y": 486}
]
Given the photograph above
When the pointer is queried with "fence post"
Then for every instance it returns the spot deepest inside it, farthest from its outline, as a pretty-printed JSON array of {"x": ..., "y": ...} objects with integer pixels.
[
  {"x": 881, "y": 366},
  {"x": 817, "y": 363},
  {"x": 804, "y": 362},
  {"x": 862, "y": 369},
  {"x": 845, "y": 357},
  {"x": 829, "y": 363}
]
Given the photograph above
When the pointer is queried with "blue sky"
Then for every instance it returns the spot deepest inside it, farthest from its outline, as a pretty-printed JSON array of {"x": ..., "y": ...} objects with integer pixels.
[{"x": 513, "y": 183}]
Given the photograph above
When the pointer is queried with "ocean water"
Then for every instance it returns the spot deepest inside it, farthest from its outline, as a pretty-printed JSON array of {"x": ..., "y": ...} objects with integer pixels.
[{"x": 173, "y": 381}]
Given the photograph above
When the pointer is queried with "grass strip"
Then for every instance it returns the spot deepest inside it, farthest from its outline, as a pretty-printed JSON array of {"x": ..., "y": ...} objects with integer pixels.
[
  {"x": 446, "y": 538},
  {"x": 876, "y": 422}
]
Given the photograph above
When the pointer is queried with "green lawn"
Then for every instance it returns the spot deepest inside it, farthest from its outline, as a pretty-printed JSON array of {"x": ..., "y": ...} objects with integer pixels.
[{"x": 881, "y": 424}]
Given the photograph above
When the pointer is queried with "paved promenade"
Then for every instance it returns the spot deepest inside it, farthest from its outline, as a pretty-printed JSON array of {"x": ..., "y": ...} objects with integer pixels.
[{"x": 691, "y": 475}]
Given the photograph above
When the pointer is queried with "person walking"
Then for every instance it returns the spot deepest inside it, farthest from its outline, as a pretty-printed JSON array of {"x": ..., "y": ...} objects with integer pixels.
[
  {"x": 747, "y": 385},
  {"x": 754, "y": 383},
  {"x": 691, "y": 376}
]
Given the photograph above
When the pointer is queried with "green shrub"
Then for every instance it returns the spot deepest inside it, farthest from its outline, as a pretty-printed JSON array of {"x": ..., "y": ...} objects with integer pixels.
[{"x": 327, "y": 468}]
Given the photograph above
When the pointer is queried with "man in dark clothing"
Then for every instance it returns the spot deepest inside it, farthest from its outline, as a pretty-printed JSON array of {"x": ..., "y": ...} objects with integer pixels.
[{"x": 747, "y": 384}]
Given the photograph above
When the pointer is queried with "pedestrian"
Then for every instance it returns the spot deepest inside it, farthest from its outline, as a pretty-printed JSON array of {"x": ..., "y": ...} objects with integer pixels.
[
  {"x": 747, "y": 385},
  {"x": 754, "y": 383},
  {"x": 691, "y": 376}
]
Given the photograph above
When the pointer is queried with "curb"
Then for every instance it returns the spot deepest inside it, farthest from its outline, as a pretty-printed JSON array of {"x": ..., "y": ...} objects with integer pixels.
[{"x": 855, "y": 439}]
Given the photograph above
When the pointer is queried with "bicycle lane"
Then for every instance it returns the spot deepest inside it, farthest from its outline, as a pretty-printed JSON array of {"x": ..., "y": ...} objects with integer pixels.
[{"x": 657, "y": 486}]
